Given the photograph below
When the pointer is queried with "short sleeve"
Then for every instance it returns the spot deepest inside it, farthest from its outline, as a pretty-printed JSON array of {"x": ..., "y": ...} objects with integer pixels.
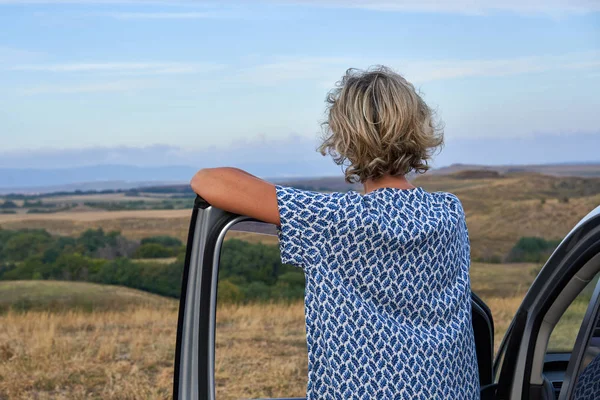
[{"x": 303, "y": 217}]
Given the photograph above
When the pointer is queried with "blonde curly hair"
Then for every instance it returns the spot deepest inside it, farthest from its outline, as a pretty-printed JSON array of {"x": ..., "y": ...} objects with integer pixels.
[{"x": 379, "y": 125}]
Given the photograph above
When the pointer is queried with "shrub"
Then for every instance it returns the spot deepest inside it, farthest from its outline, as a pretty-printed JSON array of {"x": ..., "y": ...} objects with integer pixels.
[
  {"x": 532, "y": 249},
  {"x": 9, "y": 204},
  {"x": 167, "y": 241},
  {"x": 40, "y": 211},
  {"x": 257, "y": 290},
  {"x": 25, "y": 244},
  {"x": 229, "y": 292},
  {"x": 153, "y": 250}
]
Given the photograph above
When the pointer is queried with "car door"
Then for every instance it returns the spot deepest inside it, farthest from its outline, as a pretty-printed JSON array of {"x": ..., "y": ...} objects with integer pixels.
[
  {"x": 195, "y": 350},
  {"x": 523, "y": 361}
]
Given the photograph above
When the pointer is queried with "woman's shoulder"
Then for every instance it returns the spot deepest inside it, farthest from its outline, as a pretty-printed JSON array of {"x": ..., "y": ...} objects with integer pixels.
[
  {"x": 310, "y": 198},
  {"x": 449, "y": 200}
]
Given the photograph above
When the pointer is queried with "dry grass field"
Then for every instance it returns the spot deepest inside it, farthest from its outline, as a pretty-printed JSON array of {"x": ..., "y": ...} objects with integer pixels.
[
  {"x": 82, "y": 341},
  {"x": 71, "y": 340},
  {"x": 134, "y": 224}
]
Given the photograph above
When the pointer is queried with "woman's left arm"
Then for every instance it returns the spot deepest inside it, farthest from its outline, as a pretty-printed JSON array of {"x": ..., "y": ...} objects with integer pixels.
[{"x": 236, "y": 191}]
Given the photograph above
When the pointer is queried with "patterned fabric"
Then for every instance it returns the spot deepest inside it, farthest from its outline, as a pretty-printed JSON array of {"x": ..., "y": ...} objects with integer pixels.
[
  {"x": 588, "y": 384},
  {"x": 387, "y": 302}
]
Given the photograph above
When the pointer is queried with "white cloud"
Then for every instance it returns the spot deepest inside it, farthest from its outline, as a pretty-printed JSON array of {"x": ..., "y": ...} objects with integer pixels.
[
  {"x": 11, "y": 54},
  {"x": 329, "y": 69},
  {"x": 99, "y": 2},
  {"x": 322, "y": 71},
  {"x": 295, "y": 68},
  {"x": 101, "y": 87},
  {"x": 165, "y": 15},
  {"x": 460, "y": 6},
  {"x": 449, "y": 69},
  {"x": 473, "y": 7},
  {"x": 123, "y": 67}
]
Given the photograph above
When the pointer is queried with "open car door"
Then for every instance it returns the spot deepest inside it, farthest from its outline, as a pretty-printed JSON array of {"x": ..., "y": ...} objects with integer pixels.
[
  {"x": 195, "y": 351},
  {"x": 525, "y": 368}
]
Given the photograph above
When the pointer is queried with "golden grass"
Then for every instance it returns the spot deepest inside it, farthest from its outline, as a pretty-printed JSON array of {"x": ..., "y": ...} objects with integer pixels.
[
  {"x": 260, "y": 351},
  {"x": 129, "y": 353},
  {"x": 252, "y": 237},
  {"x": 135, "y": 224},
  {"x": 63, "y": 295},
  {"x": 79, "y": 355}
]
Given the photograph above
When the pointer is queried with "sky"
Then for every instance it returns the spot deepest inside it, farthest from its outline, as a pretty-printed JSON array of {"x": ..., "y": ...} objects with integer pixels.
[{"x": 146, "y": 82}]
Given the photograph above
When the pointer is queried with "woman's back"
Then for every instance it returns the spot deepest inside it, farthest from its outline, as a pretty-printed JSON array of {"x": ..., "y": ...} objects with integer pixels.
[
  {"x": 387, "y": 292},
  {"x": 388, "y": 312}
]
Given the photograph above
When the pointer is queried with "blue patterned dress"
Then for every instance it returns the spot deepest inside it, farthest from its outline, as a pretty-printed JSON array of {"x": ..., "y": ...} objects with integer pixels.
[{"x": 387, "y": 301}]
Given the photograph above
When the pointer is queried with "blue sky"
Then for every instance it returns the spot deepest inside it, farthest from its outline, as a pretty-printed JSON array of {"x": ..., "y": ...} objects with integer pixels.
[{"x": 201, "y": 76}]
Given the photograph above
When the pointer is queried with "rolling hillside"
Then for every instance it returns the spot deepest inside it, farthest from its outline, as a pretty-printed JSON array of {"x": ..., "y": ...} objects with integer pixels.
[
  {"x": 63, "y": 296},
  {"x": 565, "y": 169},
  {"x": 503, "y": 208},
  {"x": 500, "y": 208}
]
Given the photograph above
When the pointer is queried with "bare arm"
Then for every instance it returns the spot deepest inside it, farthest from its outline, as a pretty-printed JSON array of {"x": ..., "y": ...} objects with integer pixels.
[{"x": 236, "y": 191}]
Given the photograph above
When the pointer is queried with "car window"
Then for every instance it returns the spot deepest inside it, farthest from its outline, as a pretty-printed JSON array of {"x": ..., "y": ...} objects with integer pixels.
[
  {"x": 260, "y": 338},
  {"x": 565, "y": 332}
]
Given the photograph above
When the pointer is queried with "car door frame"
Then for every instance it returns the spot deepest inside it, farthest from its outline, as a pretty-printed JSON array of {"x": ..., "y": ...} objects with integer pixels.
[{"x": 194, "y": 358}]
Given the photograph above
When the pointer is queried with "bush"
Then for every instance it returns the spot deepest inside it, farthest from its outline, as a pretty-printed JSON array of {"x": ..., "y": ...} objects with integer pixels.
[
  {"x": 9, "y": 204},
  {"x": 153, "y": 250},
  {"x": 257, "y": 290},
  {"x": 94, "y": 239},
  {"x": 167, "y": 241},
  {"x": 251, "y": 262},
  {"x": 532, "y": 249},
  {"x": 40, "y": 211},
  {"x": 25, "y": 244},
  {"x": 228, "y": 292}
]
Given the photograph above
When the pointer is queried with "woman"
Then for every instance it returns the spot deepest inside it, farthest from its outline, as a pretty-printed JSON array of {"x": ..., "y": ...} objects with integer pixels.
[{"x": 388, "y": 312}]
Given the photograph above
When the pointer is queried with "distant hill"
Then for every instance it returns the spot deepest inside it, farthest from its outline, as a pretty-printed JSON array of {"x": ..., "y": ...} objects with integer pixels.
[
  {"x": 123, "y": 177},
  {"x": 574, "y": 169},
  {"x": 99, "y": 177}
]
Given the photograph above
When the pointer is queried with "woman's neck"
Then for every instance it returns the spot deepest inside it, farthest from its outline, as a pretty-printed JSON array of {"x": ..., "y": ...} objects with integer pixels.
[{"x": 397, "y": 182}]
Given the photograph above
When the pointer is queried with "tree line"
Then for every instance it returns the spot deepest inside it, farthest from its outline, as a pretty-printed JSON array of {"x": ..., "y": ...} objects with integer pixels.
[{"x": 248, "y": 271}]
